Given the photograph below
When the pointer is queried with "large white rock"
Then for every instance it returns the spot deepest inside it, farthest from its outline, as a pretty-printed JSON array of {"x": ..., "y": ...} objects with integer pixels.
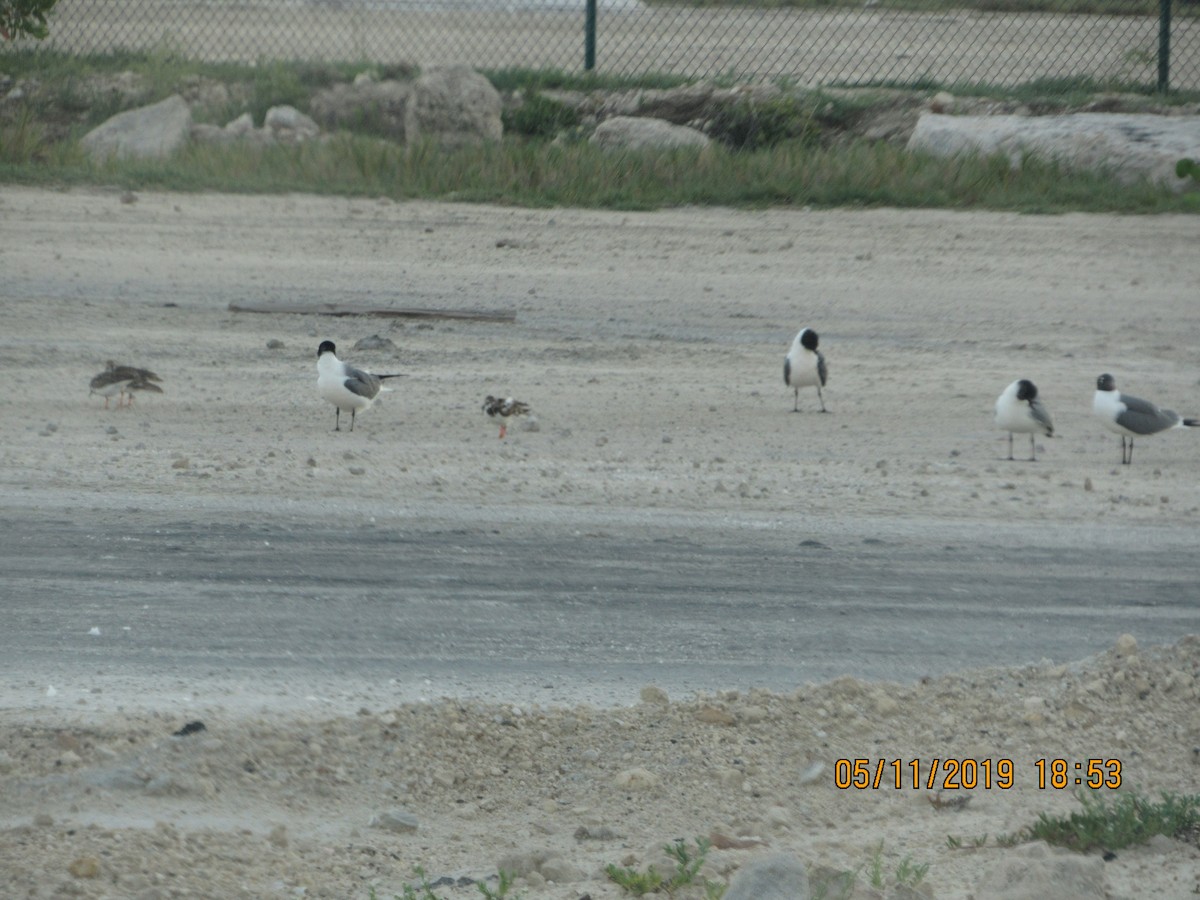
[
  {"x": 1037, "y": 871},
  {"x": 635, "y": 133},
  {"x": 1131, "y": 146},
  {"x": 150, "y": 132},
  {"x": 776, "y": 877},
  {"x": 455, "y": 106}
]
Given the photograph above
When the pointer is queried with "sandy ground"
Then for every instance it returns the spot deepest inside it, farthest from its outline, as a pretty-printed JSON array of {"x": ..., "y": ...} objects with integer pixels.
[{"x": 650, "y": 346}]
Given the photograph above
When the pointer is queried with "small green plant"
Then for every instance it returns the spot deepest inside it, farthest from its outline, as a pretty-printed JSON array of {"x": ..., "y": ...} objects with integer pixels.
[
  {"x": 24, "y": 17},
  {"x": 907, "y": 874},
  {"x": 687, "y": 869},
  {"x": 502, "y": 888},
  {"x": 540, "y": 116},
  {"x": 1125, "y": 820},
  {"x": 753, "y": 125},
  {"x": 1188, "y": 168},
  {"x": 976, "y": 843}
]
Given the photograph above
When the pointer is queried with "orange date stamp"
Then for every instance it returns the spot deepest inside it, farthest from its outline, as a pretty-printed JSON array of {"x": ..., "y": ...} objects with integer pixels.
[{"x": 968, "y": 774}]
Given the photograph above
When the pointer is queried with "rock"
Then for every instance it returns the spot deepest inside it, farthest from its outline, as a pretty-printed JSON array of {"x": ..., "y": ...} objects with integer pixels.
[
  {"x": 521, "y": 864},
  {"x": 714, "y": 715},
  {"x": 454, "y": 106},
  {"x": 1130, "y": 146},
  {"x": 630, "y": 133},
  {"x": 560, "y": 871},
  {"x": 374, "y": 342},
  {"x": 636, "y": 779},
  {"x": 777, "y": 877},
  {"x": 150, "y": 132},
  {"x": 288, "y": 125},
  {"x": 1036, "y": 871},
  {"x": 400, "y": 821},
  {"x": 655, "y": 696},
  {"x": 1126, "y": 646},
  {"x": 85, "y": 867},
  {"x": 378, "y": 106}
]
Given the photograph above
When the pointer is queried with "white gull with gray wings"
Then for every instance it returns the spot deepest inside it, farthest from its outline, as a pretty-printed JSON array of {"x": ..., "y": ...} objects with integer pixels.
[
  {"x": 1018, "y": 409},
  {"x": 345, "y": 386},
  {"x": 1132, "y": 417},
  {"x": 804, "y": 366}
]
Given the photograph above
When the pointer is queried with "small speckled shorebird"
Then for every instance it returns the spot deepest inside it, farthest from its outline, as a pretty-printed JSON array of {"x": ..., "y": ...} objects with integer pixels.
[
  {"x": 115, "y": 381},
  {"x": 504, "y": 408}
]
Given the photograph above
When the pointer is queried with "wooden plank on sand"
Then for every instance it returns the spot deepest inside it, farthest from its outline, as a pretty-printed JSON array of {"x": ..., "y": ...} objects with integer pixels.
[{"x": 336, "y": 309}]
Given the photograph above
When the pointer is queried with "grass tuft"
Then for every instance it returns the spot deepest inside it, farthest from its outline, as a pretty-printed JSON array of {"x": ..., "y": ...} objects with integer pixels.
[{"x": 1123, "y": 821}]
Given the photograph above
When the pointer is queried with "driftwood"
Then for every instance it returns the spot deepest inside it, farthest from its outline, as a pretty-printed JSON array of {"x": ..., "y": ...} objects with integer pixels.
[{"x": 333, "y": 309}]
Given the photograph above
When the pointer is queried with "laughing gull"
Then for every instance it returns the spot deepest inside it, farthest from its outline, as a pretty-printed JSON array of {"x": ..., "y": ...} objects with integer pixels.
[
  {"x": 115, "y": 380},
  {"x": 345, "y": 386},
  {"x": 1019, "y": 409},
  {"x": 804, "y": 366},
  {"x": 504, "y": 408},
  {"x": 1132, "y": 417}
]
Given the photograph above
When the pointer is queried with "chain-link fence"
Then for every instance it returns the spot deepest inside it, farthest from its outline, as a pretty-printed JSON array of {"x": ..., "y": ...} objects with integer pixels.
[{"x": 828, "y": 45}]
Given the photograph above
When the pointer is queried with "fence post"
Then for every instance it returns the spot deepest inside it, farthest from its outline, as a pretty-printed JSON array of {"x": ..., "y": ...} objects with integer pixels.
[
  {"x": 1164, "y": 45},
  {"x": 589, "y": 36}
]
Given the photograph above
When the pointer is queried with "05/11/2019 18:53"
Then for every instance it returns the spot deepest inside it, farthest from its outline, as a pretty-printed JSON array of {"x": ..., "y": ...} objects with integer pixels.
[{"x": 953, "y": 773}]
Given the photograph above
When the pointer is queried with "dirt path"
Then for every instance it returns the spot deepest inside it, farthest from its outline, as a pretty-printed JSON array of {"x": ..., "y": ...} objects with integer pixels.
[{"x": 650, "y": 347}]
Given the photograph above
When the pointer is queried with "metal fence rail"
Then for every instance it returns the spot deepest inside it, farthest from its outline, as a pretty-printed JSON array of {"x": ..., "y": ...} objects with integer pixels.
[{"x": 869, "y": 45}]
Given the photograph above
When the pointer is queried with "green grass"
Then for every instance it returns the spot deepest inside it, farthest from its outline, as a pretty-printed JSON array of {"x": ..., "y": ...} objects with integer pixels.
[
  {"x": 539, "y": 174},
  {"x": 687, "y": 872},
  {"x": 1123, "y": 821},
  {"x": 792, "y": 151}
]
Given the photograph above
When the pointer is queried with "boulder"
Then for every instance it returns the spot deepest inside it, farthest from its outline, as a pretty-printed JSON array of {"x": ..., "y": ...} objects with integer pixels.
[
  {"x": 775, "y": 877},
  {"x": 377, "y": 106},
  {"x": 633, "y": 133},
  {"x": 1036, "y": 871},
  {"x": 1131, "y": 146},
  {"x": 288, "y": 125},
  {"x": 150, "y": 132},
  {"x": 454, "y": 106}
]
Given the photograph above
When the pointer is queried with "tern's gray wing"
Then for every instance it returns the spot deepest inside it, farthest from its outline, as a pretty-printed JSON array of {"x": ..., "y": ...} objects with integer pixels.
[
  {"x": 1143, "y": 417},
  {"x": 1041, "y": 415},
  {"x": 362, "y": 383},
  {"x": 787, "y": 370},
  {"x": 822, "y": 369}
]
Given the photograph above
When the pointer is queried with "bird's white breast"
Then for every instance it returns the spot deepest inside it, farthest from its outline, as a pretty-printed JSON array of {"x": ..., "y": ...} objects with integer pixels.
[
  {"x": 803, "y": 371},
  {"x": 1107, "y": 406},
  {"x": 331, "y": 384}
]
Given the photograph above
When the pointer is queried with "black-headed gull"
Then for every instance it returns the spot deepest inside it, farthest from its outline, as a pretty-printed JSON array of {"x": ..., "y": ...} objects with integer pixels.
[
  {"x": 1018, "y": 409},
  {"x": 504, "y": 408},
  {"x": 1132, "y": 417},
  {"x": 115, "y": 381},
  {"x": 804, "y": 366},
  {"x": 345, "y": 386}
]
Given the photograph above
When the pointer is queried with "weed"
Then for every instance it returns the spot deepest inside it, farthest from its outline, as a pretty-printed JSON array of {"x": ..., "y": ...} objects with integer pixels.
[
  {"x": 753, "y": 125},
  {"x": 1188, "y": 167},
  {"x": 540, "y": 116},
  {"x": 687, "y": 869},
  {"x": 1123, "y": 821}
]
